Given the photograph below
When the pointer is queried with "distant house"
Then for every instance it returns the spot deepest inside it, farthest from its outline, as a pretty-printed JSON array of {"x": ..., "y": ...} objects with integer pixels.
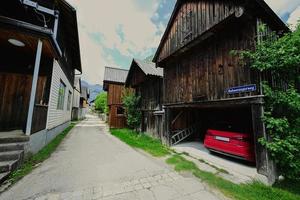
[
  {"x": 84, "y": 105},
  {"x": 147, "y": 80},
  {"x": 81, "y": 95},
  {"x": 114, "y": 84},
  {"x": 37, "y": 67},
  {"x": 76, "y": 99}
]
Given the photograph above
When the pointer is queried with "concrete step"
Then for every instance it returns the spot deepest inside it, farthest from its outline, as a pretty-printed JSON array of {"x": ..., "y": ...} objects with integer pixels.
[
  {"x": 6, "y": 166},
  {"x": 4, "y": 176},
  {"x": 11, "y": 147},
  {"x": 13, "y": 139},
  {"x": 11, "y": 155}
]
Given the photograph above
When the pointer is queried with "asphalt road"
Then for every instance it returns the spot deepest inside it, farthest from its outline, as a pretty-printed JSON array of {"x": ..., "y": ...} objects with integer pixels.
[{"x": 92, "y": 164}]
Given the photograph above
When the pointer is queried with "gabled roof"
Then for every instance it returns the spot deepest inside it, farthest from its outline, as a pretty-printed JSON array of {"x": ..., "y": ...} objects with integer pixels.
[
  {"x": 115, "y": 75},
  {"x": 149, "y": 68},
  {"x": 258, "y": 3}
]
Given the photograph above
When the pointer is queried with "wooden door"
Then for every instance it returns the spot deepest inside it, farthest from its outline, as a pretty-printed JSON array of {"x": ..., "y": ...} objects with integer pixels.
[{"x": 15, "y": 90}]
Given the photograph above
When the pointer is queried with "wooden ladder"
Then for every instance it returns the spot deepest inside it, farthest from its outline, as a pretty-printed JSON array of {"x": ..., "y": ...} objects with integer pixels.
[{"x": 182, "y": 135}]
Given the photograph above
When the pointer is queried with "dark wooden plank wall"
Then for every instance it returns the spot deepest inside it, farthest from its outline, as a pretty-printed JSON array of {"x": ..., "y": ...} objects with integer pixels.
[
  {"x": 39, "y": 119},
  {"x": 137, "y": 77},
  {"x": 114, "y": 120},
  {"x": 115, "y": 92},
  {"x": 151, "y": 93},
  {"x": 193, "y": 19},
  {"x": 205, "y": 72},
  {"x": 114, "y": 100},
  {"x": 14, "y": 99}
]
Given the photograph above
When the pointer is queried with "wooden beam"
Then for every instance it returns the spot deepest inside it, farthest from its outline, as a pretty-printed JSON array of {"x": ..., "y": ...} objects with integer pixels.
[
  {"x": 34, "y": 86},
  {"x": 178, "y": 115},
  {"x": 264, "y": 164},
  {"x": 241, "y": 101},
  {"x": 166, "y": 131}
]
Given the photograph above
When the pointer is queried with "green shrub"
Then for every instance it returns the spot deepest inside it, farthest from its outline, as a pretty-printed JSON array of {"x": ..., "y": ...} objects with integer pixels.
[
  {"x": 101, "y": 103},
  {"x": 280, "y": 57},
  {"x": 131, "y": 104}
]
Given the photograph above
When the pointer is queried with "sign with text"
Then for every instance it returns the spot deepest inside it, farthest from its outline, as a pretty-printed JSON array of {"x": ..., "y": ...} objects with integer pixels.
[{"x": 241, "y": 89}]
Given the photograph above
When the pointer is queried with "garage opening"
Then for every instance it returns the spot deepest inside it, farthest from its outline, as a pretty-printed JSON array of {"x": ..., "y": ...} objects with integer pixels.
[{"x": 226, "y": 132}]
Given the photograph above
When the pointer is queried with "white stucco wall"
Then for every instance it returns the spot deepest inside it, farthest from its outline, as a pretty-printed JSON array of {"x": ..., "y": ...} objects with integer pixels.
[
  {"x": 57, "y": 117},
  {"x": 76, "y": 99}
]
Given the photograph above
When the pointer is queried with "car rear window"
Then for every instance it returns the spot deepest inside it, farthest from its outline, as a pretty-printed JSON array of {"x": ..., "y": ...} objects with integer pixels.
[{"x": 224, "y": 126}]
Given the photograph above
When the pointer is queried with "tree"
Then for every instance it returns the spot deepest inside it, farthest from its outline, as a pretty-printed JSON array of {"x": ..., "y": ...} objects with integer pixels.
[
  {"x": 131, "y": 104},
  {"x": 101, "y": 102},
  {"x": 280, "y": 57}
]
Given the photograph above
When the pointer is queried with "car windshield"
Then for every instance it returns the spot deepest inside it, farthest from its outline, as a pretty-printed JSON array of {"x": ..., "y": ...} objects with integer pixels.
[{"x": 225, "y": 126}]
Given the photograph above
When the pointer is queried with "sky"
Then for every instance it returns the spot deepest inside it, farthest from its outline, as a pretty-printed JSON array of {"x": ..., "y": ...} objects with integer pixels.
[{"x": 113, "y": 32}]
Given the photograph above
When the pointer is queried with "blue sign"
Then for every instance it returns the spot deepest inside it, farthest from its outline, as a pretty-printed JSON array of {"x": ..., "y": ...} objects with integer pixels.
[{"x": 241, "y": 89}]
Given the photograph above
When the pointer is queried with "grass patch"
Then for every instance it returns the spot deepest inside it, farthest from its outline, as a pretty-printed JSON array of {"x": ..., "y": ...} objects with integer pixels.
[
  {"x": 213, "y": 166},
  {"x": 252, "y": 191},
  {"x": 41, "y": 156},
  {"x": 141, "y": 141},
  {"x": 289, "y": 185}
]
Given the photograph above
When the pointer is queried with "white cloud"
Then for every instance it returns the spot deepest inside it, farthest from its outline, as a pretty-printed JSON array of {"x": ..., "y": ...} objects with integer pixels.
[
  {"x": 282, "y": 7},
  {"x": 93, "y": 59},
  {"x": 132, "y": 17},
  {"x": 139, "y": 33},
  {"x": 294, "y": 18}
]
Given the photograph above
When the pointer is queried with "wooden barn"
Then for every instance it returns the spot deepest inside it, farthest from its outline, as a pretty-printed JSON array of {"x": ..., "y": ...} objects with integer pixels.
[
  {"x": 114, "y": 85},
  {"x": 203, "y": 81},
  {"x": 147, "y": 81}
]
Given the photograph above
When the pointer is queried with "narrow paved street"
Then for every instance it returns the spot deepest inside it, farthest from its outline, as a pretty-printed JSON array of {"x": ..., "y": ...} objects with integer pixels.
[{"x": 91, "y": 164}]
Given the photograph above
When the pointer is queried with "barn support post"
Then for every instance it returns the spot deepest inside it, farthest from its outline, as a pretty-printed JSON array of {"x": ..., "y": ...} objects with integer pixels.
[
  {"x": 167, "y": 121},
  {"x": 265, "y": 165},
  {"x": 34, "y": 86}
]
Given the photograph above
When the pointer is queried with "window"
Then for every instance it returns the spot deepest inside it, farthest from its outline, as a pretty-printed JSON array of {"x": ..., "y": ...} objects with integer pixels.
[
  {"x": 69, "y": 100},
  {"x": 120, "y": 111},
  {"x": 61, "y": 96}
]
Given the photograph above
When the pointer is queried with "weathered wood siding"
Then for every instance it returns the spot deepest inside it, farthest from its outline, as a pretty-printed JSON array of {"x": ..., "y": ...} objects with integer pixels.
[
  {"x": 115, "y": 120},
  {"x": 39, "y": 118},
  {"x": 57, "y": 117},
  {"x": 151, "y": 93},
  {"x": 205, "y": 72},
  {"x": 149, "y": 88},
  {"x": 114, "y": 100},
  {"x": 193, "y": 19},
  {"x": 114, "y": 95},
  {"x": 14, "y": 99},
  {"x": 137, "y": 77}
]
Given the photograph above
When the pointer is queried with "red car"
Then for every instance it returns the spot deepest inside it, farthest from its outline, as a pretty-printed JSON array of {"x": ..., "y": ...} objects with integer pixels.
[{"x": 227, "y": 139}]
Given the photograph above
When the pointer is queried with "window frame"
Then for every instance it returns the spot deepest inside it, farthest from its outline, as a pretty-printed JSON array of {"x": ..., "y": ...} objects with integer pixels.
[
  {"x": 61, "y": 96},
  {"x": 69, "y": 100},
  {"x": 120, "y": 107}
]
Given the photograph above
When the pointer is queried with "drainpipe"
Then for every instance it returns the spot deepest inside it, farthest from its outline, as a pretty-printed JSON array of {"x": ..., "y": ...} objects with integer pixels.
[{"x": 34, "y": 86}]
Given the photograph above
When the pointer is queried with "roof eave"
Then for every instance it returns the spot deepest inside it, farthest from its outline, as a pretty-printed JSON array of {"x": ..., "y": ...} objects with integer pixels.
[
  {"x": 262, "y": 3},
  {"x": 175, "y": 10}
]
